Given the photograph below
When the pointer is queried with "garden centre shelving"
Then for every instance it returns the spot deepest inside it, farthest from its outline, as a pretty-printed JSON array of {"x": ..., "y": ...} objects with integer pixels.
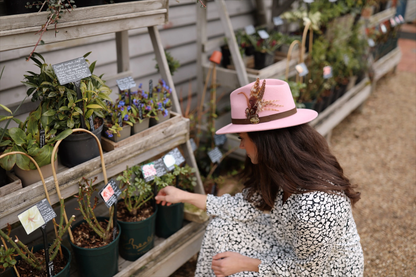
[{"x": 18, "y": 31}]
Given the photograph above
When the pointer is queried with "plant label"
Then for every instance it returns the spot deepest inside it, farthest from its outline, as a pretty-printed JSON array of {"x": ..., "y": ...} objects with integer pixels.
[
  {"x": 371, "y": 42},
  {"x": 308, "y": 1},
  {"x": 126, "y": 83},
  {"x": 149, "y": 171},
  {"x": 215, "y": 155},
  {"x": 71, "y": 71},
  {"x": 250, "y": 29},
  {"x": 110, "y": 193},
  {"x": 120, "y": 120},
  {"x": 36, "y": 216},
  {"x": 160, "y": 167},
  {"x": 263, "y": 34},
  {"x": 220, "y": 139},
  {"x": 383, "y": 28},
  {"x": 277, "y": 21},
  {"x": 347, "y": 59},
  {"x": 332, "y": 1},
  {"x": 140, "y": 110},
  {"x": 302, "y": 69},
  {"x": 50, "y": 268},
  {"x": 327, "y": 72},
  {"x": 172, "y": 158},
  {"x": 41, "y": 138},
  {"x": 91, "y": 123},
  {"x": 150, "y": 88},
  {"x": 193, "y": 144},
  {"x": 392, "y": 22}
]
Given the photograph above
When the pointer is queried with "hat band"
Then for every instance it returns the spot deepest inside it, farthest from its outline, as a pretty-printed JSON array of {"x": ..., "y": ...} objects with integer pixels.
[{"x": 265, "y": 118}]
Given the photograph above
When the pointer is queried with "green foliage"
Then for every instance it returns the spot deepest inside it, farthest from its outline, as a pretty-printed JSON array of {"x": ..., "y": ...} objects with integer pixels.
[
  {"x": 7, "y": 258},
  {"x": 172, "y": 63},
  {"x": 186, "y": 175}
]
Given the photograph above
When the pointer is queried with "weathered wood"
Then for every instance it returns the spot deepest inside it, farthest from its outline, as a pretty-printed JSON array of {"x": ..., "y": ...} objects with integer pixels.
[
  {"x": 123, "y": 53},
  {"x": 201, "y": 39},
  {"x": 381, "y": 17},
  {"x": 386, "y": 64},
  {"x": 14, "y": 184}
]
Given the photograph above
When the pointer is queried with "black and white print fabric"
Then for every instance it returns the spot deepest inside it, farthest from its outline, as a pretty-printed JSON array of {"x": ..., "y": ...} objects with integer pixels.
[{"x": 311, "y": 234}]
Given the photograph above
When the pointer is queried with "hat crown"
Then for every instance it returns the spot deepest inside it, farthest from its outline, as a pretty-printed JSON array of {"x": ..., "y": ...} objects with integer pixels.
[{"x": 277, "y": 93}]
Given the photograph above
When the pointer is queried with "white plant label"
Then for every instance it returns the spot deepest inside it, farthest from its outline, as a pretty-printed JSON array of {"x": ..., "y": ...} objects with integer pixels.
[{"x": 250, "y": 29}]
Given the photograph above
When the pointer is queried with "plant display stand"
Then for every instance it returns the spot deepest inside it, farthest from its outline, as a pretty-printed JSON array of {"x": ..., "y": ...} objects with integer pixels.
[{"x": 17, "y": 31}]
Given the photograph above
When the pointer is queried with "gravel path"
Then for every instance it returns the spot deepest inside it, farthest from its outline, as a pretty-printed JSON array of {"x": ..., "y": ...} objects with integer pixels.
[{"x": 377, "y": 149}]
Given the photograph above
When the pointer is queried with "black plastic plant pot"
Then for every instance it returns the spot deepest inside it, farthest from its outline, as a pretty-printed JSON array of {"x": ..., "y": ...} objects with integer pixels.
[
  {"x": 87, "y": 3},
  {"x": 79, "y": 148},
  {"x": 3, "y": 177},
  {"x": 262, "y": 60},
  {"x": 137, "y": 237},
  {"x": 249, "y": 50},
  {"x": 18, "y": 7},
  {"x": 169, "y": 219},
  {"x": 97, "y": 262},
  {"x": 226, "y": 56},
  {"x": 67, "y": 254}
]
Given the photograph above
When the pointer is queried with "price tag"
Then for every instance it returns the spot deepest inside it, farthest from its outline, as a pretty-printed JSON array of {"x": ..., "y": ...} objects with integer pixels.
[
  {"x": 172, "y": 158},
  {"x": 149, "y": 171},
  {"x": 383, "y": 28},
  {"x": 110, "y": 193},
  {"x": 392, "y": 22},
  {"x": 193, "y": 144},
  {"x": 126, "y": 83},
  {"x": 277, "y": 21},
  {"x": 150, "y": 88},
  {"x": 91, "y": 123},
  {"x": 302, "y": 69},
  {"x": 215, "y": 155},
  {"x": 71, "y": 71},
  {"x": 250, "y": 29},
  {"x": 160, "y": 168},
  {"x": 36, "y": 216},
  {"x": 371, "y": 42},
  {"x": 263, "y": 34},
  {"x": 327, "y": 72},
  {"x": 219, "y": 139},
  {"x": 41, "y": 138}
]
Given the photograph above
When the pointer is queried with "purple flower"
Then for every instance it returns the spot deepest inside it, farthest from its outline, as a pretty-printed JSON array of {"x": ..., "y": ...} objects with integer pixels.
[
  {"x": 126, "y": 117},
  {"x": 151, "y": 101},
  {"x": 165, "y": 113},
  {"x": 144, "y": 95},
  {"x": 158, "y": 89},
  {"x": 121, "y": 103},
  {"x": 134, "y": 92},
  {"x": 159, "y": 105},
  {"x": 135, "y": 102},
  {"x": 121, "y": 108},
  {"x": 148, "y": 108},
  {"x": 140, "y": 85},
  {"x": 165, "y": 101},
  {"x": 109, "y": 134},
  {"x": 128, "y": 108}
]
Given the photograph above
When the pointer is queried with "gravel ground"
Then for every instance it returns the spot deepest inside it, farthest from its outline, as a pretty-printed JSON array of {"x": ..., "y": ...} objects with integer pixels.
[{"x": 377, "y": 149}]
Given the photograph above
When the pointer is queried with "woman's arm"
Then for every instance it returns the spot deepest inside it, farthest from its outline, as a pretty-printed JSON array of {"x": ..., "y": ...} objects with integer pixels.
[
  {"x": 228, "y": 263},
  {"x": 174, "y": 195}
]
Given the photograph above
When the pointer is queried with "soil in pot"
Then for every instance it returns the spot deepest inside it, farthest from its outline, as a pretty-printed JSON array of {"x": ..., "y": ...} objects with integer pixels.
[
  {"x": 138, "y": 231},
  {"x": 60, "y": 265},
  {"x": 85, "y": 237},
  {"x": 80, "y": 147}
]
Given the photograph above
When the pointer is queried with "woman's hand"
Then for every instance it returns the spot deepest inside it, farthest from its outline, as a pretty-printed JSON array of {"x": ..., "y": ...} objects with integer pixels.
[
  {"x": 169, "y": 195},
  {"x": 228, "y": 263}
]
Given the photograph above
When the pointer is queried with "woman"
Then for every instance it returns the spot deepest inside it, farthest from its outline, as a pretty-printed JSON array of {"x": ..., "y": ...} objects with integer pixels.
[{"x": 294, "y": 216}]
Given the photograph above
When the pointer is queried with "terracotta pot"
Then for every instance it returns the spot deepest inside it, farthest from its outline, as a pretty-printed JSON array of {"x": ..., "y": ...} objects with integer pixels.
[{"x": 29, "y": 177}]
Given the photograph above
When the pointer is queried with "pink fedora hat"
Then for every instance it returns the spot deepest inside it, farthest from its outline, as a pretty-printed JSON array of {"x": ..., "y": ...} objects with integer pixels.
[{"x": 259, "y": 107}]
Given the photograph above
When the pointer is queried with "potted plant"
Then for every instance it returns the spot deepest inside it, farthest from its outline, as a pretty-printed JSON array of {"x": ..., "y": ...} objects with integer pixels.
[
  {"x": 34, "y": 263},
  {"x": 264, "y": 50},
  {"x": 94, "y": 248},
  {"x": 118, "y": 121},
  {"x": 170, "y": 218},
  {"x": 161, "y": 104},
  {"x": 136, "y": 214},
  {"x": 140, "y": 115}
]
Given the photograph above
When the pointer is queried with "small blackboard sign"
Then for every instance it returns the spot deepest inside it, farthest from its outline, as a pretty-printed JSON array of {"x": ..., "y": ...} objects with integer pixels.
[
  {"x": 71, "y": 71},
  {"x": 120, "y": 120},
  {"x": 140, "y": 105},
  {"x": 110, "y": 193},
  {"x": 193, "y": 144},
  {"x": 172, "y": 158},
  {"x": 36, "y": 216},
  {"x": 126, "y": 83},
  {"x": 220, "y": 139},
  {"x": 160, "y": 167},
  {"x": 41, "y": 138},
  {"x": 302, "y": 69},
  {"x": 215, "y": 155},
  {"x": 149, "y": 171},
  {"x": 277, "y": 21},
  {"x": 250, "y": 29}
]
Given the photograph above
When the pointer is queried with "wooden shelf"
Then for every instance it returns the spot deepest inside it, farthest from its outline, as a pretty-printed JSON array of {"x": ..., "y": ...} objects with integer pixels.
[
  {"x": 17, "y": 31},
  {"x": 386, "y": 64},
  {"x": 380, "y": 17}
]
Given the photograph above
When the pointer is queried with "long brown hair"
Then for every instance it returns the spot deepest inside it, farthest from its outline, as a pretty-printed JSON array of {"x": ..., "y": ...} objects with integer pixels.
[{"x": 297, "y": 160}]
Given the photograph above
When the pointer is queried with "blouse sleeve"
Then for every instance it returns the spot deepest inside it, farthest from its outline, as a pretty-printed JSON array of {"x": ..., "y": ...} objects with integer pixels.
[
  {"x": 232, "y": 207},
  {"x": 313, "y": 234}
]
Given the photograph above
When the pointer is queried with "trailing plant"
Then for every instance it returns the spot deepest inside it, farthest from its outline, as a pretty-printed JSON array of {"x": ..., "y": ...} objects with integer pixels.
[
  {"x": 172, "y": 63},
  {"x": 26, "y": 254},
  {"x": 85, "y": 192}
]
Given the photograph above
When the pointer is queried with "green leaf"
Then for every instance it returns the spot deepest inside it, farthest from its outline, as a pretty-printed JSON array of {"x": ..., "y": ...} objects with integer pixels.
[
  {"x": 89, "y": 113},
  {"x": 87, "y": 54},
  {"x": 22, "y": 161},
  {"x": 92, "y": 67},
  {"x": 49, "y": 113},
  {"x": 44, "y": 156},
  {"x": 5, "y": 108},
  {"x": 105, "y": 96},
  {"x": 78, "y": 110},
  {"x": 94, "y": 106},
  {"x": 5, "y": 143},
  {"x": 52, "y": 94},
  {"x": 70, "y": 123},
  {"x": 63, "y": 135},
  {"x": 30, "y": 91},
  {"x": 63, "y": 108},
  {"x": 3, "y": 117},
  {"x": 18, "y": 121},
  {"x": 9, "y": 161},
  {"x": 99, "y": 113},
  {"x": 70, "y": 98},
  {"x": 18, "y": 136}
]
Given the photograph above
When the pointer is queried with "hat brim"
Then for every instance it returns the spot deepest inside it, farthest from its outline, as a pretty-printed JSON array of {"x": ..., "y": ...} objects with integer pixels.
[{"x": 302, "y": 116}]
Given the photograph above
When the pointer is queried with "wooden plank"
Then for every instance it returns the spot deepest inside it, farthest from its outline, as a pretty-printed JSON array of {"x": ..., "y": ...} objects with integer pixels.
[
  {"x": 123, "y": 53},
  {"x": 386, "y": 63},
  {"x": 232, "y": 42},
  {"x": 381, "y": 17},
  {"x": 83, "y": 15},
  {"x": 14, "y": 184},
  {"x": 201, "y": 39}
]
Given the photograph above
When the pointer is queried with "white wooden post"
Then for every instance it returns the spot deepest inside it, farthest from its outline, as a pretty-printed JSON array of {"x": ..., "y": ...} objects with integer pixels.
[
  {"x": 163, "y": 65},
  {"x": 232, "y": 42},
  {"x": 201, "y": 39},
  {"x": 123, "y": 55}
]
